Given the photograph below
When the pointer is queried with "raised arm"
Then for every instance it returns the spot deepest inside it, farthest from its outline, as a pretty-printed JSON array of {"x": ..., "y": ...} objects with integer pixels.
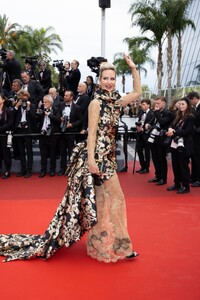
[
  {"x": 93, "y": 119},
  {"x": 137, "y": 90}
]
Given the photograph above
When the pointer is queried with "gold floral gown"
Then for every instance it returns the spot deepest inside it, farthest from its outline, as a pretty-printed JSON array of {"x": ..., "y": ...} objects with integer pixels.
[{"x": 85, "y": 206}]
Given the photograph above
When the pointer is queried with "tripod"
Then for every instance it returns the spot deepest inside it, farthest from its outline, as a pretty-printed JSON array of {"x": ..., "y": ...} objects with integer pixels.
[{"x": 135, "y": 154}]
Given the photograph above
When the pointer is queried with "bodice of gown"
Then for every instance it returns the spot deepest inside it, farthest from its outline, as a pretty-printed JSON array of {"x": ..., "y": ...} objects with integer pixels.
[{"x": 107, "y": 125}]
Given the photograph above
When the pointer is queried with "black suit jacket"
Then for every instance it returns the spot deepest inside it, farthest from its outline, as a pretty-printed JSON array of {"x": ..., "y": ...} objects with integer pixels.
[
  {"x": 13, "y": 71},
  {"x": 45, "y": 80},
  {"x": 55, "y": 120},
  {"x": 6, "y": 121},
  {"x": 197, "y": 117},
  {"x": 75, "y": 117},
  {"x": 83, "y": 102},
  {"x": 73, "y": 79},
  {"x": 58, "y": 101},
  {"x": 186, "y": 131},
  {"x": 36, "y": 92},
  {"x": 164, "y": 118},
  {"x": 30, "y": 118},
  {"x": 148, "y": 119}
]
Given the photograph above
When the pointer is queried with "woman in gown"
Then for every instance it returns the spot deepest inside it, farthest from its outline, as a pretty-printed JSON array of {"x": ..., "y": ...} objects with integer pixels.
[{"x": 93, "y": 200}]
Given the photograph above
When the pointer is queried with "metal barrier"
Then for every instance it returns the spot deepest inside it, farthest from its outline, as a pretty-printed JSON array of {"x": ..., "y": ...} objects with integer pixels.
[{"x": 122, "y": 130}]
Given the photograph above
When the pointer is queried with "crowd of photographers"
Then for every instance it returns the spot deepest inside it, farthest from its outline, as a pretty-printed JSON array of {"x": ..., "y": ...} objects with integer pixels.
[
  {"x": 31, "y": 111},
  {"x": 176, "y": 130}
]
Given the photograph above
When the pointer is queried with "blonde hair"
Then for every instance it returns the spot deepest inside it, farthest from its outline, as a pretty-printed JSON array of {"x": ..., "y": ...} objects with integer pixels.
[
  {"x": 106, "y": 66},
  {"x": 22, "y": 93}
]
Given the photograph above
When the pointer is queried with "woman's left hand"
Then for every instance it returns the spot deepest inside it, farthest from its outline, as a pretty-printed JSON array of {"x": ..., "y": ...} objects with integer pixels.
[{"x": 93, "y": 168}]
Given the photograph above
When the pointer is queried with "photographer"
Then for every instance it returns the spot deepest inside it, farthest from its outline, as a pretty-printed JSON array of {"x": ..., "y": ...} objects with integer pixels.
[
  {"x": 11, "y": 70},
  {"x": 33, "y": 87},
  {"x": 181, "y": 132},
  {"x": 90, "y": 86},
  {"x": 12, "y": 96},
  {"x": 29, "y": 69},
  {"x": 49, "y": 120},
  {"x": 72, "y": 80},
  {"x": 6, "y": 125},
  {"x": 142, "y": 146},
  {"x": 24, "y": 123},
  {"x": 63, "y": 70},
  {"x": 57, "y": 99},
  {"x": 195, "y": 157},
  {"x": 159, "y": 125},
  {"x": 83, "y": 100},
  {"x": 71, "y": 121},
  {"x": 44, "y": 76}
]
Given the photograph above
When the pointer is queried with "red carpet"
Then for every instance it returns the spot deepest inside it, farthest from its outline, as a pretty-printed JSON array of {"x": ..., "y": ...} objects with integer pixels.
[{"x": 164, "y": 227}]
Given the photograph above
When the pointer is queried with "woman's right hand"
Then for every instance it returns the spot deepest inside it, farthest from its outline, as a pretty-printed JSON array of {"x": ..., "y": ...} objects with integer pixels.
[{"x": 129, "y": 61}]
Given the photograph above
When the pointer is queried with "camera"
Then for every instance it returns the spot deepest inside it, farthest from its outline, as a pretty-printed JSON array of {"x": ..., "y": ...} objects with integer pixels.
[
  {"x": 180, "y": 143},
  {"x": 31, "y": 60},
  {"x": 23, "y": 124},
  {"x": 153, "y": 134},
  {"x": 94, "y": 63},
  {"x": 24, "y": 104},
  {"x": 59, "y": 65},
  {"x": 46, "y": 132},
  {"x": 64, "y": 123},
  {"x": 9, "y": 139},
  {"x": 3, "y": 54}
]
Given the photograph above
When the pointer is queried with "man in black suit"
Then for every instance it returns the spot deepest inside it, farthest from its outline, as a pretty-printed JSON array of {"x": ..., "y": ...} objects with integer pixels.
[
  {"x": 142, "y": 146},
  {"x": 11, "y": 70},
  {"x": 29, "y": 69},
  {"x": 24, "y": 123},
  {"x": 44, "y": 76},
  {"x": 73, "y": 77},
  {"x": 33, "y": 87},
  {"x": 159, "y": 125},
  {"x": 195, "y": 157},
  {"x": 83, "y": 100},
  {"x": 70, "y": 122},
  {"x": 12, "y": 96},
  {"x": 57, "y": 99},
  {"x": 49, "y": 120}
]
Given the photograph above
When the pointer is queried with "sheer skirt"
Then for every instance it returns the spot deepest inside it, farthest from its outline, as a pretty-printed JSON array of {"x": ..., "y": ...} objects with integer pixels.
[{"x": 109, "y": 240}]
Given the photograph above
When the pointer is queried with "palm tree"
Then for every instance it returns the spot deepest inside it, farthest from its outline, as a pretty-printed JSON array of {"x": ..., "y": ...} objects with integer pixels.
[
  {"x": 139, "y": 51},
  {"x": 139, "y": 56},
  {"x": 175, "y": 12},
  {"x": 8, "y": 32},
  {"x": 121, "y": 68},
  {"x": 182, "y": 22},
  {"x": 43, "y": 41},
  {"x": 147, "y": 15}
]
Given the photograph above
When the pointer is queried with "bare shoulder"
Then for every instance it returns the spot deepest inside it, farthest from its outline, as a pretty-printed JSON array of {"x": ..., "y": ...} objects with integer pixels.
[{"x": 94, "y": 104}]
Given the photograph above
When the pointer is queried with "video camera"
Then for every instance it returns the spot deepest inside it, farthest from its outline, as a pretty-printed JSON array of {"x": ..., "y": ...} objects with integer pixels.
[
  {"x": 94, "y": 63},
  {"x": 59, "y": 65},
  {"x": 31, "y": 60},
  {"x": 3, "y": 54}
]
